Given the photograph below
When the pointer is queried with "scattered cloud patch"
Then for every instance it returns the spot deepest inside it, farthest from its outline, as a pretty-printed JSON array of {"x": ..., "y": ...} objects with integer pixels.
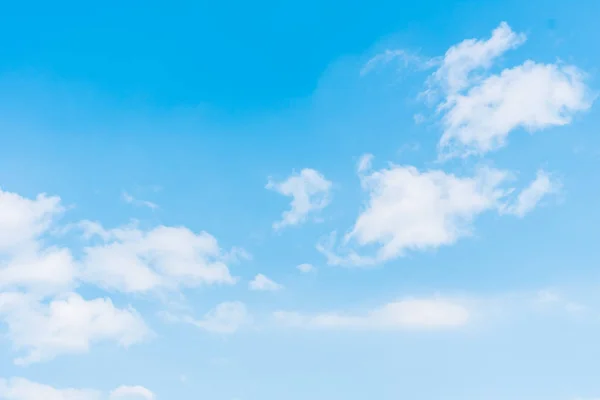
[
  {"x": 310, "y": 193},
  {"x": 225, "y": 318},
  {"x": 461, "y": 61},
  {"x": 306, "y": 268},
  {"x": 408, "y": 314},
  {"x": 410, "y": 209},
  {"x": 479, "y": 110},
  {"x": 399, "y": 57},
  {"x": 529, "y": 197},
  {"x": 23, "y": 221},
  {"x": 262, "y": 283},
  {"x": 23, "y": 389},
  {"x": 134, "y": 260},
  {"x": 131, "y": 393},
  {"x": 67, "y": 324}
]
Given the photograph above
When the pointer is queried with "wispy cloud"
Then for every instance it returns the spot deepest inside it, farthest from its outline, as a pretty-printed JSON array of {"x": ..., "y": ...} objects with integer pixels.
[
  {"x": 397, "y": 57},
  {"x": 128, "y": 198}
]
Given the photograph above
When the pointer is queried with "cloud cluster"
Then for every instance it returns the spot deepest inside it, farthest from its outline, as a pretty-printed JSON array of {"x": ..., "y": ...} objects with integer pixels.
[
  {"x": 409, "y": 209},
  {"x": 479, "y": 110},
  {"x": 45, "y": 316}
]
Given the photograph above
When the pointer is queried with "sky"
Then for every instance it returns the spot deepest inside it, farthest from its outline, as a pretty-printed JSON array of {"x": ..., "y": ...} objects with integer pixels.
[{"x": 281, "y": 200}]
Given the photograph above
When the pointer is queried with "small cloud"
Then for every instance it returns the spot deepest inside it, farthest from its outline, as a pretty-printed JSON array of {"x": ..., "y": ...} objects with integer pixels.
[
  {"x": 419, "y": 118},
  {"x": 399, "y": 57},
  {"x": 262, "y": 283},
  {"x": 306, "y": 268},
  {"x": 364, "y": 163},
  {"x": 529, "y": 197},
  {"x": 139, "y": 203},
  {"x": 131, "y": 393},
  {"x": 310, "y": 193}
]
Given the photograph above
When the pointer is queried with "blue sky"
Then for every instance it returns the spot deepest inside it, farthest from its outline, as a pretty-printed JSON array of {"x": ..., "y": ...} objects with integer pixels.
[{"x": 272, "y": 200}]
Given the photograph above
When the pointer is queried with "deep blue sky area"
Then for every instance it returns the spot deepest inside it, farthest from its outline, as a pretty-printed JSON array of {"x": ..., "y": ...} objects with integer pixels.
[{"x": 229, "y": 54}]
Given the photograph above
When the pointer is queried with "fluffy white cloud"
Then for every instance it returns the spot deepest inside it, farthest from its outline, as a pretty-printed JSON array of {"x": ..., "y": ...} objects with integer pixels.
[
  {"x": 462, "y": 60},
  {"x": 480, "y": 110},
  {"x": 134, "y": 260},
  {"x": 23, "y": 389},
  {"x": 48, "y": 271},
  {"x": 67, "y": 324},
  {"x": 131, "y": 393},
  {"x": 262, "y": 283},
  {"x": 529, "y": 197},
  {"x": 310, "y": 193},
  {"x": 413, "y": 210},
  {"x": 306, "y": 268},
  {"x": 23, "y": 220},
  {"x": 531, "y": 96},
  {"x": 24, "y": 261},
  {"x": 225, "y": 318},
  {"x": 434, "y": 313}
]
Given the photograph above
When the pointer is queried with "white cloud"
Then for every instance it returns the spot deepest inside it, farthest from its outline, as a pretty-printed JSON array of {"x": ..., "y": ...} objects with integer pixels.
[
  {"x": 131, "y": 393},
  {"x": 531, "y": 96},
  {"x": 262, "y": 283},
  {"x": 479, "y": 110},
  {"x": 306, "y": 268},
  {"x": 25, "y": 263},
  {"x": 140, "y": 203},
  {"x": 399, "y": 56},
  {"x": 434, "y": 313},
  {"x": 134, "y": 260},
  {"x": 23, "y": 220},
  {"x": 529, "y": 197},
  {"x": 225, "y": 318},
  {"x": 49, "y": 271},
  {"x": 310, "y": 193},
  {"x": 23, "y": 389},
  {"x": 68, "y": 324},
  {"x": 364, "y": 163},
  {"x": 549, "y": 298},
  {"x": 471, "y": 55},
  {"x": 413, "y": 210}
]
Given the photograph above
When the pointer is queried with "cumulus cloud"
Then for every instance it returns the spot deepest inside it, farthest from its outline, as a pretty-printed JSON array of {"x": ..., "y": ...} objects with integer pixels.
[
  {"x": 472, "y": 55},
  {"x": 134, "y": 260},
  {"x": 479, "y": 110},
  {"x": 262, "y": 283},
  {"x": 310, "y": 193},
  {"x": 410, "y": 209},
  {"x": 23, "y": 389},
  {"x": 25, "y": 263},
  {"x": 23, "y": 220},
  {"x": 67, "y": 324},
  {"x": 428, "y": 313}
]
